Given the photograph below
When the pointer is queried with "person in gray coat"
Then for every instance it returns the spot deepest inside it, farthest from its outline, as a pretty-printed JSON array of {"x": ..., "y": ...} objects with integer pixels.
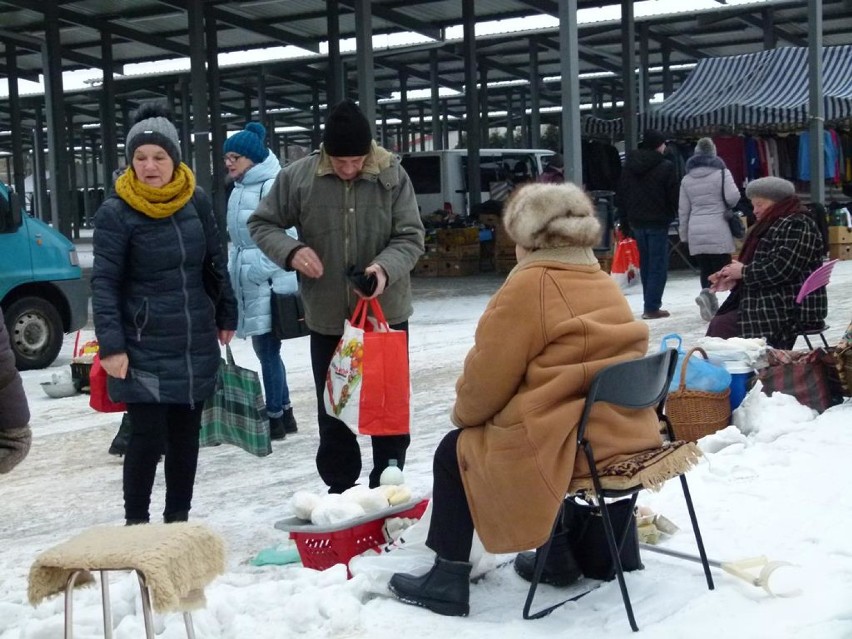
[
  {"x": 15, "y": 433},
  {"x": 707, "y": 193},
  {"x": 354, "y": 208}
]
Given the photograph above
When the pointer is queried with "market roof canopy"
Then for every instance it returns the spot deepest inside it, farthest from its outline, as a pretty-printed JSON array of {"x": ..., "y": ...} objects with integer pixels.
[{"x": 768, "y": 89}]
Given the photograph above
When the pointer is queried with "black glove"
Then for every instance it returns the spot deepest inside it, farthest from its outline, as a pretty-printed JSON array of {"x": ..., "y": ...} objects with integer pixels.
[
  {"x": 14, "y": 446},
  {"x": 360, "y": 280}
]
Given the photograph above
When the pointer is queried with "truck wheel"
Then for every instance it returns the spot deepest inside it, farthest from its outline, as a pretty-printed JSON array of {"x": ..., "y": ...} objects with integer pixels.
[{"x": 35, "y": 330}]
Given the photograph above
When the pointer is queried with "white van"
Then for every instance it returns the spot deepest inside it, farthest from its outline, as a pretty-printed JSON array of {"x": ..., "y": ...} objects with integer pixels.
[{"x": 440, "y": 177}]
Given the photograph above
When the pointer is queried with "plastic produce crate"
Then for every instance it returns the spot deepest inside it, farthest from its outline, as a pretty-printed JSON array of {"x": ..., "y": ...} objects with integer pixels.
[{"x": 321, "y": 547}]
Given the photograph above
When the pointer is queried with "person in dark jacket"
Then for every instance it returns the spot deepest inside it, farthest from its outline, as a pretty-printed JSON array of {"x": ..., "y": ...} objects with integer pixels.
[
  {"x": 157, "y": 326},
  {"x": 15, "y": 433},
  {"x": 647, "y": 196},
  {"x": 779, "y": 252}
]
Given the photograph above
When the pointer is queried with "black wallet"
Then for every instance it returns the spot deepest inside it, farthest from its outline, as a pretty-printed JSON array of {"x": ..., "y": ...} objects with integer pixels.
[{"x": 366, "y": 283}]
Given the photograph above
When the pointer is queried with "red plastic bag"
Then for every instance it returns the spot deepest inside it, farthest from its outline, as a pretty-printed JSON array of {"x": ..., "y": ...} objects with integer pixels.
[
  {"x": 367, "y": 385},
  {"x": 99, "y": 396},
  {"x": 625, "y": 263}
]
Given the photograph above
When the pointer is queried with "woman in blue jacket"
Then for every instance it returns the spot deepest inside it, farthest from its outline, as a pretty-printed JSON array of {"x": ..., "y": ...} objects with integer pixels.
[{"x": 255, "y": 277}]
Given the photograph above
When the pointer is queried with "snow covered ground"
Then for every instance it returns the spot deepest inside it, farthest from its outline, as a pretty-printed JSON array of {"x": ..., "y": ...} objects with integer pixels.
[{"x": 778, "y": 492}]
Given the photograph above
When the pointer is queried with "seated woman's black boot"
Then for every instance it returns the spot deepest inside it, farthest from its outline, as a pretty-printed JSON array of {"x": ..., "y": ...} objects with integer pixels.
[
  {"x": 445, "y": 589},
  {"x": 560, "y": 567}
]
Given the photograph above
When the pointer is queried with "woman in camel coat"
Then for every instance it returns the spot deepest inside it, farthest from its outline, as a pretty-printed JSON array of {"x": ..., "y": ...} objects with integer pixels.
[{"x": 555, "y": 322}]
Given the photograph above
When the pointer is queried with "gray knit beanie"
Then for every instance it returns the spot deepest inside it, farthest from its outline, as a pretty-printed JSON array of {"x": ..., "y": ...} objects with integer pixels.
[
  {"x": 705, "y": 146},
  {"x": 153, "y": 126},
  {"x": 774, "y": 189}
]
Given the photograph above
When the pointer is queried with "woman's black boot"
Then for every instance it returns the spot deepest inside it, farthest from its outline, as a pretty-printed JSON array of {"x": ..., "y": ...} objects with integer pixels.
[{"x": 445, "y": 589}]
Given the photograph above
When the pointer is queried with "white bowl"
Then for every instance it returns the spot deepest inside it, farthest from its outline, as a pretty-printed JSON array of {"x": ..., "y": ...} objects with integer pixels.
[{"x": 60, "y": 389}]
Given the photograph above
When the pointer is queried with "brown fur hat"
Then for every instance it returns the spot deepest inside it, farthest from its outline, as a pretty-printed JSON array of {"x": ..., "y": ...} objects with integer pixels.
[{"x": 539, "y": 215}]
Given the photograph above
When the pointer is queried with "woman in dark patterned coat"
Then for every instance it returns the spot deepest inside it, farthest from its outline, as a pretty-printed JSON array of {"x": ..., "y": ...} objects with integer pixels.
[
  {"x": 157, "y": 327},
  {"x": 15, "y": 433},
  {"x": 780, "y": 251}
]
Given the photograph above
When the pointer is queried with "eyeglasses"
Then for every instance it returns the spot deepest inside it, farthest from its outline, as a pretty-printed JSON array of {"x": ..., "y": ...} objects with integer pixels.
[{"x": 232, "y": 158}]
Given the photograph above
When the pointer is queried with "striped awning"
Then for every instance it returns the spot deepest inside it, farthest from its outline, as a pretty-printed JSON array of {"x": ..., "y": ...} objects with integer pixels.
[{"x": 768, "y": 89}]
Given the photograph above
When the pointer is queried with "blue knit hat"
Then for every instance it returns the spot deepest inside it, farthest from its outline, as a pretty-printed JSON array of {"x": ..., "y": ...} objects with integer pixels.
[{"x": 250, "y": 142}]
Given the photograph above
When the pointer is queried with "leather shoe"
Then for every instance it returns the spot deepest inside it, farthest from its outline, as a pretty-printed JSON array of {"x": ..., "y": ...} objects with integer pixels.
[{"x": 658, "y": 314}]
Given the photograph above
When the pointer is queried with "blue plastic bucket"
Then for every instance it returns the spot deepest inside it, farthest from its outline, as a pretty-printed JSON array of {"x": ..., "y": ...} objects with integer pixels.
[{"x": 740, "y": 378}]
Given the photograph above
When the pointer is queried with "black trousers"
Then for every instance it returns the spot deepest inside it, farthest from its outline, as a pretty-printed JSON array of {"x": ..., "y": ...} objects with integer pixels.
[
  {"x": 339, "y": 455},
  {"x": 451, "y": 528},
  {"x": 161, "y": 429},
  {"x": 710, "y": 263}
]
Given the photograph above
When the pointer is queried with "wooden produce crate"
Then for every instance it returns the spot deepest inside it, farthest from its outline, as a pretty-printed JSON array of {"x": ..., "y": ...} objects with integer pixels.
[
  {"x": 839, "y": 235},
  {"x": 840, "y": 251},
  {"x": 458, "y": 251},
  {"x": 454, "y": 237},
  {"x": 458, "y": 268},
  {"x": 427, "y": 265}
]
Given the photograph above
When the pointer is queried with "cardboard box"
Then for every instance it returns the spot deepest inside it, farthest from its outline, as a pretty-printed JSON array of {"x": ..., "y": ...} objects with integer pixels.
[
  {"x": 839, "y": 235},
  {"x": 840, "y": 251},
  {"x": 458, "y": 268},
  {"x": 459, "y": 251},
  {"x": 455, "y": 237},
  {"x": 427, "y": 266}
]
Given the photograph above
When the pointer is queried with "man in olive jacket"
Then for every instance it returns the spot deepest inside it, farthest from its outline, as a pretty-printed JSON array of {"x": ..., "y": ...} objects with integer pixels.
[
  {"x": 354, "y": 208},
  {"x": 15, "y": 433}
]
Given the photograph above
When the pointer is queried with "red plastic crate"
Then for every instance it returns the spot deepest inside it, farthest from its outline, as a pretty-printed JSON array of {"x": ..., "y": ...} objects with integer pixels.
[{"x": 321, "y": 550}]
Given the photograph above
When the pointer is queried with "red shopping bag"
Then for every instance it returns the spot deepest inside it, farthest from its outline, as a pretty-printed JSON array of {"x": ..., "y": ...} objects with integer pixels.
[
  {"x": 98, "y": 395},
  {"x": 367, "y": 383},
  {"x": 625, "y": 262}
]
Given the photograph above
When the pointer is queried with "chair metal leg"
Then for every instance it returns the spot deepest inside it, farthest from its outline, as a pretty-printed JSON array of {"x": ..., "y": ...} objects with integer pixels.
[
  {"x": 540, "y": 558},
  {"x": 615, "y": 555},
  {"x": 822, "y": 337},
  {"x": 146, "y": 606},
  {"x": 697, "y": 533},
  {"x": 105, "y": 605},
  {"x": 69, "y": 604},
  {"x": 808, "y": 342}
]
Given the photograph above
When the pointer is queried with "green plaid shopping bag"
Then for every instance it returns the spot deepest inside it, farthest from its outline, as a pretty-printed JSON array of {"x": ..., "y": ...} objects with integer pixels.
[{"x": 236, "y": 414}]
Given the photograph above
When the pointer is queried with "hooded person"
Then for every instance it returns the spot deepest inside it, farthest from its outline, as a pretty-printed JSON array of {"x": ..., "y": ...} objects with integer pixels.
[
  {"x": 255, "y": 278},
  {"x": 783, "y": 247},
  {"x": 505, "y": 470},
  {"x": 707, "y": 193},
  {"x": 359, "y": 236}
]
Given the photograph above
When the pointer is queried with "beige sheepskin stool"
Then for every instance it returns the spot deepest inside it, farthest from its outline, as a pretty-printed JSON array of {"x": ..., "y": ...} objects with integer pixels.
[{"x": 173, "y": 562}]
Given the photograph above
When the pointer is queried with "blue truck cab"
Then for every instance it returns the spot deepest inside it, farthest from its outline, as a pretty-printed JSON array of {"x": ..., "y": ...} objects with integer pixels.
[{"x": 42, "y": 291}]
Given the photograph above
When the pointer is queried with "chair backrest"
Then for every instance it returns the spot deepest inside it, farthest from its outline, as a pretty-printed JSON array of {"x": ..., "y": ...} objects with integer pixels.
[
  {"x": 637, "y": 383},
  {"x": 816, "y": 280}
]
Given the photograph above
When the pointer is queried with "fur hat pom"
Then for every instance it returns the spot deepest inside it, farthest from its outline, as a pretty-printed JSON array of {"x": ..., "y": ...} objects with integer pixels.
[{"x": 540, "y": 215}]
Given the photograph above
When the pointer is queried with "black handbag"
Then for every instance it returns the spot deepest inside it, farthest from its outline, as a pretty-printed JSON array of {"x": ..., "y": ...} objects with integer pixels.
[
  {"x": 735, "y": 222},
  {"x": 212, "y": 279},
  {"x": 587, "y": 538},
  {"x": 288, "y": 316}
]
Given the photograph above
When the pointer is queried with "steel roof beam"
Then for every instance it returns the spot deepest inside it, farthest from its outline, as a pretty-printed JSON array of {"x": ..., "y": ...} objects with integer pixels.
[{"x": 402, "y": 20}]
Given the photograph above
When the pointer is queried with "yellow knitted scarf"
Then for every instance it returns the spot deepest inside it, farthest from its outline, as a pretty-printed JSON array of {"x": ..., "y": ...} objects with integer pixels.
[{"x": 157, "y": 203}]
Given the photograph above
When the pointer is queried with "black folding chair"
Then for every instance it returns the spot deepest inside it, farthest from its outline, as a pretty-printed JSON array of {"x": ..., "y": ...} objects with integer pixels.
[{"x": 634, "y": 384}]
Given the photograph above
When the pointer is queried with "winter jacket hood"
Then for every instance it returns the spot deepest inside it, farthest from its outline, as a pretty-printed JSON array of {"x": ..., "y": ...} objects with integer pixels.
[
  {"x": 641, "y": 161},
  {"x": 706, "y": 162}
]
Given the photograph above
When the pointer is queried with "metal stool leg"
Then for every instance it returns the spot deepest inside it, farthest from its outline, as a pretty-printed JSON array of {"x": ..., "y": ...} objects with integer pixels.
[
  {"x": 69, "y": 604},
  {"x": 187, "y": 621},
  {"x": 146, "y": 606},
  {"x": 105, "y": 605}
]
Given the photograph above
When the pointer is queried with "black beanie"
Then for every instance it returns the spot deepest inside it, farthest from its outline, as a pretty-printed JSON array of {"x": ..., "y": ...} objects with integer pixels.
[
  {"x": 652, "y": 139},
  {"x": 347, "y": 132}
]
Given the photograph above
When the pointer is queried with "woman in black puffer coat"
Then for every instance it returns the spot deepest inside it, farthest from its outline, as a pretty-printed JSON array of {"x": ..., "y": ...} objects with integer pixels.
[{"x": 157, "y": 328}]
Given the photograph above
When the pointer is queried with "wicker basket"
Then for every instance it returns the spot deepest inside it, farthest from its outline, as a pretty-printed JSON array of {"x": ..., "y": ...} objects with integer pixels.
[{"x": 696, "y": 413}]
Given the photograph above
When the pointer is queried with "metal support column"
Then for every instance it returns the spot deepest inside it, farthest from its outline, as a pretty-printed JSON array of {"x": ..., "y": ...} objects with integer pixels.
[
  {"x": 109, "y": 136},
  {"x": 217, "y": 131},
  {"x": 421, "y": 117},
  {"x": 55, "y": 106},
  {"x": 483, "y": 103},
  {"x": 770, "y": 36},
  {"x": 535, "y": 97},
  {"x": 200, "y": 108},
  {"x": 569, "y": 68},
  {"x": 384, "y": 138},
  {"x": 364, "y": 59},
  {"x": 437, "y": 135},
  {"x": 510, "y": 119},
  {"x": 336, "y": 87},
  {"x": 645, "y": 94},
  {"x": 42, "y": 210},
  {"x": 474, "y": 179},
  {"x": 403, "y": 112},
  {"x": 185, "y": 120},
  {"x": 628, "y": 74},
  {"x": 15, "y": 118},
  {"x": 72, "y": 208},
  {"x": 815, "y": 102},
  {"x": 666, "y": 53},
  {"x": 316, "y": 134}
]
